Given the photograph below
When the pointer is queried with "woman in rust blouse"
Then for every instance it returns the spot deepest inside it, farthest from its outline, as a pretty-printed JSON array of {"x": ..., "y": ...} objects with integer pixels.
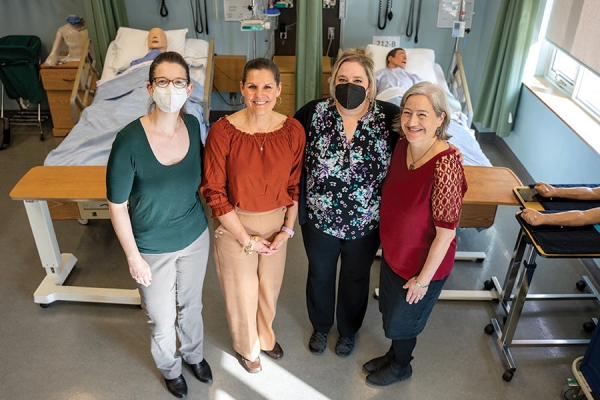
[{"x": 252, "y": 166}]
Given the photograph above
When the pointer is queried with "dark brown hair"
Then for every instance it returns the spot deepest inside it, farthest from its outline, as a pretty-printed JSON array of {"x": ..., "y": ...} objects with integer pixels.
[{"x": 260, "y": 64}]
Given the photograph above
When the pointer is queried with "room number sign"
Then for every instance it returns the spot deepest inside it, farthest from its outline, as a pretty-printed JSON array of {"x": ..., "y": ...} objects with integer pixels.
[{"x": 386, "y": 41}]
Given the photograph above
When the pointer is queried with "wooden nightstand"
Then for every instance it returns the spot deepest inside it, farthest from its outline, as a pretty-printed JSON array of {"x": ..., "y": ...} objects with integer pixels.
[
  {"x": 58, "y": 82},
  {"x": 287, "y": 68}
]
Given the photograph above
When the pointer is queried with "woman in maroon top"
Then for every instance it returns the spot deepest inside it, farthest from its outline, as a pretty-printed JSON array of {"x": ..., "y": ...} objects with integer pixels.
[
  {"x": 252, "y": 166},
  {"x": 420, "y": 208}
]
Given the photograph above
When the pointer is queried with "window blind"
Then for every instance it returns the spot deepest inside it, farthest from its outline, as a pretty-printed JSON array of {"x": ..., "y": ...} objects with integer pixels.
[{"x": 574, "y": 26}]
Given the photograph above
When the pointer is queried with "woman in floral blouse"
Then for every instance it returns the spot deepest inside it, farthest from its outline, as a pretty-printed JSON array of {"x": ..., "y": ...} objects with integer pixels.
[{"x": 348, "y": 150}]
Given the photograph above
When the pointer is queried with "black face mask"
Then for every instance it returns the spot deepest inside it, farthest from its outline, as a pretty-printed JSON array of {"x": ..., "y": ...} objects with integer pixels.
[{"x": 350, "y": 95}]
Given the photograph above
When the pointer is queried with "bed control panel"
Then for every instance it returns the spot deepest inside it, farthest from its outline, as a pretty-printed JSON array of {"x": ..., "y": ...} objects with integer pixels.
[{"x": 93, "y": 210}]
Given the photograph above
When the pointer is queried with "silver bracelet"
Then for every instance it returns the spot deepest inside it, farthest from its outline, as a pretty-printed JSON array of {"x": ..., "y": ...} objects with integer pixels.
[{"x": 420, "y": 285}]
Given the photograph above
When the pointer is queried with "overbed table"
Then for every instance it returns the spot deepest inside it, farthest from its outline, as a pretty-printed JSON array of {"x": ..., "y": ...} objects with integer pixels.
[
  {"x": 64, "y": 184},
  {"x": 531, "y": 242},
  {"x": 488, "y": 188}
]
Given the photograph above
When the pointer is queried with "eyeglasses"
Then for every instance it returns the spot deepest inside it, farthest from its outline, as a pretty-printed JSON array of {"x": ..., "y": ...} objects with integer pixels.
[{"x": 164, "y": 82}]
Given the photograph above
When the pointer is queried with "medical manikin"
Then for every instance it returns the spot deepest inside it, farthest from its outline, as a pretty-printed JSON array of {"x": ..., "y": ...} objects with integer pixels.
[{"x": 74, "y": 34}]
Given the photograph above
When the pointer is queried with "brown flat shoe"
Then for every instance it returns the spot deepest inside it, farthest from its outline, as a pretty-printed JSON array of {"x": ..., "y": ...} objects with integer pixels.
[
  {"x": 251, "y": 366},
  {"x": 276, "y": 353}
]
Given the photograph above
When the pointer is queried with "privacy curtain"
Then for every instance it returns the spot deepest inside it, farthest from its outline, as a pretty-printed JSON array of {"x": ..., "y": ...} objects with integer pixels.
[
  {"x": 309, "y": 51},
  {"x": 501, "y": 83},
  {"x": 103, "y": 18}
]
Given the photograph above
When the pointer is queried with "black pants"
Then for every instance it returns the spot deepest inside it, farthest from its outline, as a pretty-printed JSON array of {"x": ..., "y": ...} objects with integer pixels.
[{"x": 323, "y": 252}]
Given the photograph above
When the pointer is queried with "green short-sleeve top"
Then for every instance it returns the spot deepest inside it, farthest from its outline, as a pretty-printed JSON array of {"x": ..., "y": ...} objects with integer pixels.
[{"x": 164, "y": 204}]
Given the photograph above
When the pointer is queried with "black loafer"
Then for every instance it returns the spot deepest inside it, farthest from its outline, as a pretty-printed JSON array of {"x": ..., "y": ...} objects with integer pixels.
[
  {"x": 177, "y": 387},
  {"x": 202, "y": 371}
]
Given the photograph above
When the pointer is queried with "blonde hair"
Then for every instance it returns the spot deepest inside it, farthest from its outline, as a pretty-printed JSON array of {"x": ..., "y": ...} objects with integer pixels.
[
  {"x": 364, "y": 58},
  {"x": 436, "y": 96}
]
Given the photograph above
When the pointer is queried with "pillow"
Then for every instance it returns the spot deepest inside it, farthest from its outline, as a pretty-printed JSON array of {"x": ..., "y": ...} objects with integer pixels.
[
  {"x": 131, "y": 44},
  {"x": 419, "y": 61},
  {"x": 196, "y": 52}
]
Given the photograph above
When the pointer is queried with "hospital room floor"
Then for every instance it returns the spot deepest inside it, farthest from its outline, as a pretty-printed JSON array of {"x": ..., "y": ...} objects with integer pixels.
[{"x": 101, "y": 351}]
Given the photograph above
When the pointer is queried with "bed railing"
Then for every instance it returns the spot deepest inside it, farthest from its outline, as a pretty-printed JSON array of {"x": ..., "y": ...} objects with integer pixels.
[
  {"x": 208, "y": 80},
  {"x": 87, "y": 75},
  {"x": 85, "y": 80},
  {"x": 457, "y": 81}
]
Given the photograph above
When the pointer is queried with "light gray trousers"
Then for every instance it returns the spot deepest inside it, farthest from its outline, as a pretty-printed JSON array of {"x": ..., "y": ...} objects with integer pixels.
[{"x": 173, "y": 303}]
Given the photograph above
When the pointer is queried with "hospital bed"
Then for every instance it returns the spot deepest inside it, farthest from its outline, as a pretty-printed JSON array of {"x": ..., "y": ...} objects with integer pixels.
[
  {"x": 422, "y": 62},
  {"x": 121, "y": 97}
]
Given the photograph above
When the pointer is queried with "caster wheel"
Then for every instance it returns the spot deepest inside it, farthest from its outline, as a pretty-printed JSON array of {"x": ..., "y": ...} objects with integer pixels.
[
  {"x": 589, "y": 326},
  {"x": 581, "y": 285},
  {"x": 489, "y": 329},
  {"x": 488, "y": 285},
  {"x": 83, "y": 221},
  {"x": 572, "y": 393},
  {"x": 508, "y": 375},
  {"x": 44, "y": 305}
]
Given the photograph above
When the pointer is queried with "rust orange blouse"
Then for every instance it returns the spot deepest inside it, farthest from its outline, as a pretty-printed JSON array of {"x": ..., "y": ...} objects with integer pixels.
[{"x": 237, "y": 173}]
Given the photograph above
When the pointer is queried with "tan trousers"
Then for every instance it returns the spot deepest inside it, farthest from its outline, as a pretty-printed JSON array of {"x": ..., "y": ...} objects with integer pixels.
[{"x": 251, "y": 283}]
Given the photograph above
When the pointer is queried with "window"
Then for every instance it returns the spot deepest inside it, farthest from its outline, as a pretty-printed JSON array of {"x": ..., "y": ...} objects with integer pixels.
[
  {"x": 564, "y": 69},
  {"x": 588, "y": 92},
  {"x": 576, "y": 80}
]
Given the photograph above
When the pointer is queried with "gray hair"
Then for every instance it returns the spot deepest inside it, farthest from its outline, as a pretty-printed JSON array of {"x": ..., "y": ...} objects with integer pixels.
[{"x": 438, "y": 101}]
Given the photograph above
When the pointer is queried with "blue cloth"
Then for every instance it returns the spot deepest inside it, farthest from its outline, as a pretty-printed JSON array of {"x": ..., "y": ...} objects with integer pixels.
[
  {"x": 395, "y": 77},
  {"x": 152, "y": 54}
]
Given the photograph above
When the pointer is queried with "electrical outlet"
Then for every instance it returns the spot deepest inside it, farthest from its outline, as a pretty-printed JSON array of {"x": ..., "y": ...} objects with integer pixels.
[
  {"x": 331, "y": 33},
  {"x": 283, "y": 35}
]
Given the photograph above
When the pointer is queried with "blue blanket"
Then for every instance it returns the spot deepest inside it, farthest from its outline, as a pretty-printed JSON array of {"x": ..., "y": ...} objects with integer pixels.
[{"x": 116, "y": 103}]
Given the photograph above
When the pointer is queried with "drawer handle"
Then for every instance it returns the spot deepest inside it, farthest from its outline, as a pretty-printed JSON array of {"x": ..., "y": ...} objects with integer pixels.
[{"x": 69, "y": 80}]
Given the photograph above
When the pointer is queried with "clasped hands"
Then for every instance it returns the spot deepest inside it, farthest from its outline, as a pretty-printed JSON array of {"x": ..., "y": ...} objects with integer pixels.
[{"x": 265, "y": 247}]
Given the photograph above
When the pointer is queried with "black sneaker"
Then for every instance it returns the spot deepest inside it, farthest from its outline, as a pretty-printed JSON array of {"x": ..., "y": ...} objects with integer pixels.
[
  {"x": 344, "y": 346},
  {"x": 317, "y": 342}
]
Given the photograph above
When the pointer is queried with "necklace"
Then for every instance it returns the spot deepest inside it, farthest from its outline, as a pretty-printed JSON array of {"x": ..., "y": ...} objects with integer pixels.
[
  {"x": 260, "y": 145},
  {"x": 163, "y": 132},
  {"x": 411, "y": 166}
]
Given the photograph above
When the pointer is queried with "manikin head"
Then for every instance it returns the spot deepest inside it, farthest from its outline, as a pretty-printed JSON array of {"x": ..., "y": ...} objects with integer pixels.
[
  {"x": 396, "y": 58},
  {"x": 157, "y": 39}
]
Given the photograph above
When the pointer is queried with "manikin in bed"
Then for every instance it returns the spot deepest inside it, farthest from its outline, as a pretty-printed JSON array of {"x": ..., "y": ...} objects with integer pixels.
[
  {"x": 421, "y": 63},
  {"x": 395, "y": 74},
  {"x": 122, "y": 97},
  {"x": 157, "y": 43}
]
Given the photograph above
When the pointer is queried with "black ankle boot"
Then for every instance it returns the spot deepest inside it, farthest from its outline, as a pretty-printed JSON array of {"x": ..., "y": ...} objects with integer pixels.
[
  {"x": 389, "y": 374},
  {"x": 379, "y": 362}
]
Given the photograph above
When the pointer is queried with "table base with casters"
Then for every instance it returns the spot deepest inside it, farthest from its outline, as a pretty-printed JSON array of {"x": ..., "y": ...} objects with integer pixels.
[
  {"x": 515, "y": 292},
  {"x": 74, "y": 184}
]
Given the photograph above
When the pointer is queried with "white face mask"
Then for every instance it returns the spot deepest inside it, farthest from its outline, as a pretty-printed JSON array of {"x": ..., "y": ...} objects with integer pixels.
[{"x": 169, "y": 99}]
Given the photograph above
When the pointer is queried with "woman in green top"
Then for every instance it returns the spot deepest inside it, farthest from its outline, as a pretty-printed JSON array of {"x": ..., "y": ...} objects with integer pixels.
[{"x": 155, "y": 165}]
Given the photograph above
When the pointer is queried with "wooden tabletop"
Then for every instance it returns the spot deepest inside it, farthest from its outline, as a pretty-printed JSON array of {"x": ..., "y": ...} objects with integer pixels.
[
  {"x": 487, "y": 185},
  {"x": 491, "y": 185},
  {"x": 62, "y": 184}
]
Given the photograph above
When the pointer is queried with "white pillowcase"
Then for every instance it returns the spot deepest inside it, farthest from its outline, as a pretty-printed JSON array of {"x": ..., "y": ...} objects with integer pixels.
[
  {"x": 419, "y": 61},
  {"x": 131, "y": 44},
  {"x": 196, "y": 52}
]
